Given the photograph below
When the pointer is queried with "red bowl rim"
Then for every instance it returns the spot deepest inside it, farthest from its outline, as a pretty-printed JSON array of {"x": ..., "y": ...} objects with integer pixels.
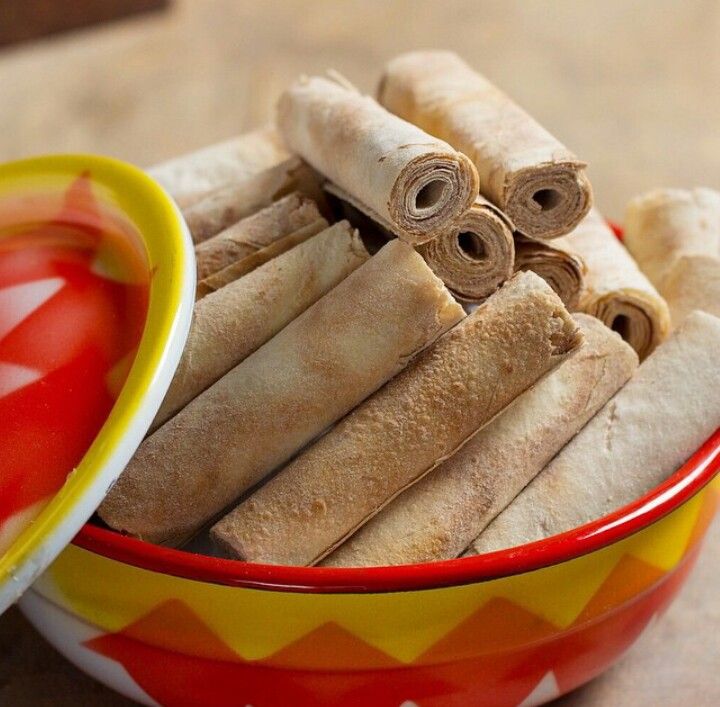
[{"x": 695, "y": 474}]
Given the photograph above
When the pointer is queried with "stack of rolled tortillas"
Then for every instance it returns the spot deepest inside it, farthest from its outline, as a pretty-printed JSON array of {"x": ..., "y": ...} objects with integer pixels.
[{"x": 337, "y": 402}]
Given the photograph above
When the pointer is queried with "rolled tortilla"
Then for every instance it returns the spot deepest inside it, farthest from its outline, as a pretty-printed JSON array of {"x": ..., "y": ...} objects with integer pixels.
[
  {"x": 665, "y": 224},
  {"x": 189, "y": 177},
  {"x": 616, "y": 292},
  {"x": 473, "y": 259},
  {"x": 556, "y": 263},
  {"x": 523, "y": 170},
  {"x": 407, "y": 428},
  {"x": 633, "y": 444},
  {"x": 417, "y": 185},
  {"x": 476, "y": 256},
  {"x": 674, "y": 234},
  {"x": 311, "y": 373},
  {"x": 254, "y": 232},
  {"x": 245, "y": 265},
  {"x": 235, "y": 321},
  {"x": 437, "y": 518},
  {"x": 228, "y": 204},
  {"x": 693, "y": 282}
]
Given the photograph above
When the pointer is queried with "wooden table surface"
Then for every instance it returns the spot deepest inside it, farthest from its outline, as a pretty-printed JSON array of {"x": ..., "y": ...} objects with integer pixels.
[{"x": 631, "y": 87}]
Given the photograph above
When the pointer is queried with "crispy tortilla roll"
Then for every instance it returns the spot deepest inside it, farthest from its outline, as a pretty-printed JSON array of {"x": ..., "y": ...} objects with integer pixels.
[
  {"x": 407, "y": 428},
  {"x": 693, "y": 282},
  {"x": 437, "y": 518},
  {"x": 235, "y": 321},
  {"x": 616, "y": 292},
  {"x": 664, "y": 224},
  {"x": 189, "y": 177},
  {"x": 473, "y": 259},
  {"x": 556, "y": 263},
  {"x": 245, "y": 265},
  {"x": 476, "y": 256},
  {"x": 254, "y": 232},
  {"x": 415, "y": 184},
  {"x": 523, "y": 169},
  {"x": 674, "y": 235},
  {"x": 310, "y": 374},
  {"x": 634, "y": 443},
  {"x": 228, "y": 204}
]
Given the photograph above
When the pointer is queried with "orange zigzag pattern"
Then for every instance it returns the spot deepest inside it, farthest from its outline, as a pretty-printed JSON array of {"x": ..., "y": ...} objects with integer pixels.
[
  {"x": 499, "y": 679},
  {"x": 495, "y": 656},
  {"x": 499, "y": 625}
]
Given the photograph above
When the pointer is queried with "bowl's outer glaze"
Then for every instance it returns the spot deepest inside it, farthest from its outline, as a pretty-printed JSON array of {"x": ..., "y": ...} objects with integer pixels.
[{"x": 517, "y": 640}]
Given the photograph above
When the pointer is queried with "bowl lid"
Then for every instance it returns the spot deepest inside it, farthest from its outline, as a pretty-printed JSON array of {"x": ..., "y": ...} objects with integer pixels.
[{"x": 97, "y": 276}]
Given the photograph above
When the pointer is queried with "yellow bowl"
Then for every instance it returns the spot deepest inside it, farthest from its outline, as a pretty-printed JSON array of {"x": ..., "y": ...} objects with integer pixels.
[
  {"x": 135, "y": 236},
  {"x": 518, "y": 627}
]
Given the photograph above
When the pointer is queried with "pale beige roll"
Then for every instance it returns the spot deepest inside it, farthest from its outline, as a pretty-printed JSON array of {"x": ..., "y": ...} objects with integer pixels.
[
  {"x": 230, "y": 324},
  {"x": 664, "y": 224},
  {"x": 310, "y": 374},
  {"x": 646, "y": 432},
  {"x": 228, "y": 204},
  {"x": 254, "y": 232},
  {"x": 188, "y": 177},
  {"x": 416, "y": 184},
  {"x": 476, "y": 256},
  {"x": 437, "y": 518},
  {"x": 524, "y": 170},
  {"x": 674, "y": 234},
  {"x": 693, "y": 282},
  {"x": 556, "y": 263},
  {"x": 407, "y": 428},
  {"x": 242, "y": 267},
  {"x": 616, "y": 291}
]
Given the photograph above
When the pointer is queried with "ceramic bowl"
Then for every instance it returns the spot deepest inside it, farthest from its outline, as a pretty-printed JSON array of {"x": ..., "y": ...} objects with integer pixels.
[
  {"x": 513, "y": 628},
  {"x": 96, "y": 280}
]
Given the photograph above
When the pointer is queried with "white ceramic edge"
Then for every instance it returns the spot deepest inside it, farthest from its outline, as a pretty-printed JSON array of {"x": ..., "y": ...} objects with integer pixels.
[
  {"x": 85, "y": 506},
  {"x": 67, "y": 633}
]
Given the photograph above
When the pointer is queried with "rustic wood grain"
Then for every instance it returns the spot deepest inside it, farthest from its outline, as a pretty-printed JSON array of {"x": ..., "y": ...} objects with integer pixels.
[{"x": 630, "y": 87}]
